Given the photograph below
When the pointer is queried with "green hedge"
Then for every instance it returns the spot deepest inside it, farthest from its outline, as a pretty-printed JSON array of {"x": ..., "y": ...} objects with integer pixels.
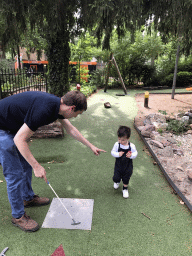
[{"x": 184, "y": 79}]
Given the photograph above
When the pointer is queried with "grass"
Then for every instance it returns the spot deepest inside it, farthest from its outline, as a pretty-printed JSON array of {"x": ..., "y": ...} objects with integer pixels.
[
  {"x": 118, "y": 227},
  {"x": 162, "y": 112}
]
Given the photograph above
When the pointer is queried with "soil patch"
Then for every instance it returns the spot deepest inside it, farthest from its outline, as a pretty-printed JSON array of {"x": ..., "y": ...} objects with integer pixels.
[{"x": 163, "y": 102}]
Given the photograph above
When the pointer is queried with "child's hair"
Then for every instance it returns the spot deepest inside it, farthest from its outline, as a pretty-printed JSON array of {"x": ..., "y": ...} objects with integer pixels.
[
  {"x": 77, "y": 99},
  {"x": 124, "y": 131}
]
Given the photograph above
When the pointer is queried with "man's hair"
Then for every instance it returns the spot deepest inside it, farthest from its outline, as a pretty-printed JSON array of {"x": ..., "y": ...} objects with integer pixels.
[
  {"x": 77, "y": 99},
  {"x": 124, "y": 131}
]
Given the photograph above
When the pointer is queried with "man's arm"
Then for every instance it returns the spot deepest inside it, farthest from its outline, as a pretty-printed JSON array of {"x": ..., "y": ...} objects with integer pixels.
[
  {"x": 71, "y": 130},
  {"x": 21, "y": 141}
]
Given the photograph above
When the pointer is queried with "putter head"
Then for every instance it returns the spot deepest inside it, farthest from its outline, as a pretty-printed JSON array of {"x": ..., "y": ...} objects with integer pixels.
[{"x": 75, "y": 222}]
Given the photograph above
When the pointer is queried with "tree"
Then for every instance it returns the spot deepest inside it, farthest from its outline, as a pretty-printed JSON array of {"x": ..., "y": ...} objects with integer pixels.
[
  {"x": 103, "y": 16},
  {"x": 14, "y": 14},
  {"x": 173, "y": 18},
  {"x": 55, "y": 20},
  {"x": 134, "y": 59},
  {"x": 58, "y": 23},
  {"x": 33, "y": 41}
]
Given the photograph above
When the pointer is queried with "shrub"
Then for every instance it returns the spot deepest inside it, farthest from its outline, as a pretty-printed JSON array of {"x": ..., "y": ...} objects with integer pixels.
[
  {"x": 185, "y": 65},
  {"x": 168, "y": 80},
  {"x": 5, "y": 64},
  {"x": 148, "y": 75},
  {"x": 97, "y": 79},
  {"x": 184, "y": 78},
  {"x": 166, "y": 73},
  {"x": 177, "y": 127}
]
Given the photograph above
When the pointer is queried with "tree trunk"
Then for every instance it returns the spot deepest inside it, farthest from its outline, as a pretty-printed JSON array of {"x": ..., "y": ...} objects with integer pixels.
[
  {"x": 108, "y": 71},
  {"x": 18, "y": 55},
  {"x": 58, "y": 53},
  {"x": 175, "y": 73}
]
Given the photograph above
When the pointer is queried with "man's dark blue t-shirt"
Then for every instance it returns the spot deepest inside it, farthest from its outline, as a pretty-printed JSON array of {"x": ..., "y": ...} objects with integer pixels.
[{"x": 33, "y": 108}]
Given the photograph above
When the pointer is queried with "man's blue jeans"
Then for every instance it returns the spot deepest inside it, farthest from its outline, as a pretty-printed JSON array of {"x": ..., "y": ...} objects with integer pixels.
[{"x": 17, "y": 172}]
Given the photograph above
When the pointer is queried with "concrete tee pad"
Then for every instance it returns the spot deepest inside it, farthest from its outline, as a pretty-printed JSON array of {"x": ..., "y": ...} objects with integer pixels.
[{"x": 80, "y": 209}]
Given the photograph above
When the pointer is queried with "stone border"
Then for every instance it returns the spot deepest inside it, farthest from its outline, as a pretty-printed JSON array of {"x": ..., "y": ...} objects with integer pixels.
[{"x": 175, "y": 188}]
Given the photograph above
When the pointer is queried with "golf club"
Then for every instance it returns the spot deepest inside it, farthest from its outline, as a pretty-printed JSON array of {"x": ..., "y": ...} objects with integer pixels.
[{"x": 73, "y": 221}]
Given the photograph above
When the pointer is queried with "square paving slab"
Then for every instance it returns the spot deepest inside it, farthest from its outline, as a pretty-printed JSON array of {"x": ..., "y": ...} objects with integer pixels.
[{"x": 80, "y": 209}]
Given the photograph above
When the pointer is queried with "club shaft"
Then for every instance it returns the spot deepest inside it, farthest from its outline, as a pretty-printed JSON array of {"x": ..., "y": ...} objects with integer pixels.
[{"x": 60, "y": 201}]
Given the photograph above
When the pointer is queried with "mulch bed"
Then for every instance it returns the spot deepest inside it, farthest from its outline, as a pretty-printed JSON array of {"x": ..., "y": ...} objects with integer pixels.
[{"x": 53, "y": 130}]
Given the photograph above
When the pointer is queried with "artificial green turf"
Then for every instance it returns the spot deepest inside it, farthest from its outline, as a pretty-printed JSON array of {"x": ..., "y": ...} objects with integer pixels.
[{"x": 118, "y": 227}]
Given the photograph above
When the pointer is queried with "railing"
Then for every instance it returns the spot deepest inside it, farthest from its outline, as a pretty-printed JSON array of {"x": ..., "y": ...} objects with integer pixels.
[{"x": 14, "y": 81}]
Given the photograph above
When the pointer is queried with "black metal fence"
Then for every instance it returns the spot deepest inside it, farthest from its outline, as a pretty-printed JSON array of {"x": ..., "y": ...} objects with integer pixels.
[{"x": 14, "y": 81}]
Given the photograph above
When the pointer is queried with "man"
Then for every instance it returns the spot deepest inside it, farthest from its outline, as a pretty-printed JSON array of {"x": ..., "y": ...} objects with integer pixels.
[{"x": 20, "y": 116}]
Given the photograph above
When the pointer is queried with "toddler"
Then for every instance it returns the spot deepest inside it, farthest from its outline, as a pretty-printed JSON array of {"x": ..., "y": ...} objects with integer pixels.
[{"x": 124, "y": 152}]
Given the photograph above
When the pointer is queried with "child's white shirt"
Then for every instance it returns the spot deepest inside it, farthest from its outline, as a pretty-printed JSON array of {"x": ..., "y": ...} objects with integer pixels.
[{"x": 115, "y": 153}]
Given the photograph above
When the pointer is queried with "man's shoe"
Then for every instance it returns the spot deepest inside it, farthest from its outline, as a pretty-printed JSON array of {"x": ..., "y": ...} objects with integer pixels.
[
  {"x": 25, "y": 223},
  {"x": 125, "y": 193},
  {"x": 116, "y": 185},
  {"x": 36, "y": 201}
]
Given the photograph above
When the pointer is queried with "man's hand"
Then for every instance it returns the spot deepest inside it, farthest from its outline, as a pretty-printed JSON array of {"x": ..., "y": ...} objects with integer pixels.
[
  {"x": 96, "y": 150},
  {"x": 40, "y": 172},
  {"x": 78, "y": 136}
]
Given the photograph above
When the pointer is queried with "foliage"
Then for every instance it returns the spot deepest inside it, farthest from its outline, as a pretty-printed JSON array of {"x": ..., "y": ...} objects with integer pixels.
[
  {"x": 54, "y": 21},
  {"x": 185, "y": 64},
  {"x": 82, "y": 75},
  {"x": 162, "y": 112},
  {"x": 105, "y": 15},
  {"x": 177, "y": 127},
  {"x": 165, "y": 67},
  {"x": 4, "y": 64},
  {"x": 57, "y": 25},
  {"x": 84, "y": 48},
  {"x": 97, "y": 79},
  {"x": 184, "y": 78},
  {"x": 134, "y": 59},
  {"x": 173, "y": 18},
  {"x": 14, "y": 17},
  {"x": 33, "y": 41},
  {"x": 87, "y": 90}
]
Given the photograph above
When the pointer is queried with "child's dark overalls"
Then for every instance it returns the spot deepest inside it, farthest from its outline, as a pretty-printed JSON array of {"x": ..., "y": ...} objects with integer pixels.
[{"x": 123, "y": 167}]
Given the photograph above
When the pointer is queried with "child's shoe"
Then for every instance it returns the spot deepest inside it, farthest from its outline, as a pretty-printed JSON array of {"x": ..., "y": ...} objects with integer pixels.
[
  {"x": 116, "y": 185},
  {"x": 125, "y": 193}
]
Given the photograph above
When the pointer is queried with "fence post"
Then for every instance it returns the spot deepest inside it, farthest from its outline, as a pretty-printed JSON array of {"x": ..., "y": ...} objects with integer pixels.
[
  {"x": 45, "y": 74},
  {"x": 0, "y": 88}
]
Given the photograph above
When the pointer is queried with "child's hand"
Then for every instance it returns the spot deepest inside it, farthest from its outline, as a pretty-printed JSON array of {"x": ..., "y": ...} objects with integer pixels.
[
  {"x": 129, "y": 154},
  {"x": 121, "y": 153}
]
